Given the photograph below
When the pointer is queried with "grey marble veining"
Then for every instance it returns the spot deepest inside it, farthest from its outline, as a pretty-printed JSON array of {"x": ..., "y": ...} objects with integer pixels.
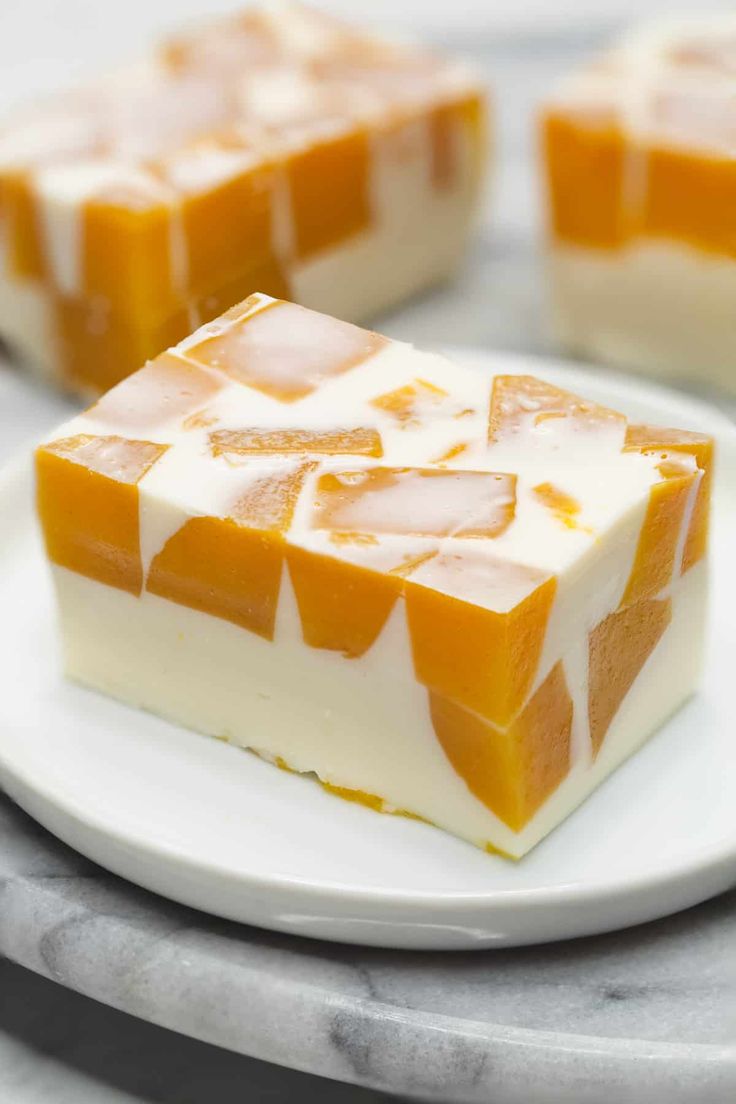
[
  {"x": 646, "y": 1016},
  {"x": 651, "y": 1011},
  {"x": 57, "y": 1047}
]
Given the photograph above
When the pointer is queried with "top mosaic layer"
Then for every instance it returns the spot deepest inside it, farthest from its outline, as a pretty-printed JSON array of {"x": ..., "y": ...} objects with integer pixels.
[{"x": 276, "y": 150}]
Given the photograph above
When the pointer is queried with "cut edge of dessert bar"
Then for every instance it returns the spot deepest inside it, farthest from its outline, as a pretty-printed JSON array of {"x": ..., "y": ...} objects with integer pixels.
[
  {"x": 462, "y": 598},
  {"x": 275, "y": 149}
]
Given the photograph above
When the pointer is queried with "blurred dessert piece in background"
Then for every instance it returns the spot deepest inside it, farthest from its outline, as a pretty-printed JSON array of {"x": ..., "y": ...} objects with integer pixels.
[
  {"x": 640, "y": 171},
  {"x": 277, "y": 150}
]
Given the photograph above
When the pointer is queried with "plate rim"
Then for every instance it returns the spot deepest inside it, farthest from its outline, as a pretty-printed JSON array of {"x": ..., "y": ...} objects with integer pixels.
[{"x": 704, "y": 860}]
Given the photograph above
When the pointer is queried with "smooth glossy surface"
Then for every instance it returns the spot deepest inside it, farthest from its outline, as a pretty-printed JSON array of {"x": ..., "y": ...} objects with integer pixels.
[{"x": 218, "y": 829}]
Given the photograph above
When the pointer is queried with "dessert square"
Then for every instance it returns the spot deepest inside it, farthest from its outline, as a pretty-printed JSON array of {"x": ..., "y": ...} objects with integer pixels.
[
  {"x": 275, "y": 150},
  {"x": 640, "y": 178},
  {"x": 459, "y": 598}
]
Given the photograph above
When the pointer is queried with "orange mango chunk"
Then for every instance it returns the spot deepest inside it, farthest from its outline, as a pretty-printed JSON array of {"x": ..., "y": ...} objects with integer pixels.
[
  {"x": 326, "y": 218},
  {"x": 408, "y": 403},
  {"x": 87, "y": 495},
  {"x": 654, "y": 560},
  {"x": 167, "y": 390},
  {"x": 585, "y": 158},
  {"x": 513, "y": 770},
  {"x": 652, "y": 439},
  {"x": 452, "y": 453},
  {"x": 454, "y": 126},
  {"x": 685, "y": 194},
  {"x": 618, "y": 648},
  {"x": 126, "y": 257},
  {"x": 265, "y": 275},
  {"x": 231, "y": 567},
  {"x": 477, "y": 626},
  {"x": 227, "y": 226},
  {"x": 520, "y": 401},
  {"x": 444, "y": 127},
  {"x": 269, "y": 503},
  {"x": 22, "y": 227},
  {"x": 221, "y": 568},
  {"x": 347, "y": 536},
  {"x": 361, "y": 441},
  {"x": 98, "y": 348},
  {"x": 358, "y": 797},
  {"x": 416, "y": 501},
  {"x": 564, "y": 507},
  {"x": 688, "y": 196},
  {"x": 342, "y": 605},
  {"x": 284, "y": 350}
]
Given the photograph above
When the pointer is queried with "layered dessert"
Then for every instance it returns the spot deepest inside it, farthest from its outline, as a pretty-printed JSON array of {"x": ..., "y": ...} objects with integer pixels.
[
  {"x": 462, "y": 598},
  {"x": 277, "y": 150},
  {"x": 641, "y": 184}
]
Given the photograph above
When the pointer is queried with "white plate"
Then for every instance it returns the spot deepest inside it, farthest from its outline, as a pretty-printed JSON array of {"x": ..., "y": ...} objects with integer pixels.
[{"x": 216, "y": 828}]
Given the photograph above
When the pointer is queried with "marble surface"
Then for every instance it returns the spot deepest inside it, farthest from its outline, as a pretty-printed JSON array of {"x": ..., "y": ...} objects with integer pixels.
[
  {"x": 646, "y": 1016},
  {"x": 57, "y": 1047}
]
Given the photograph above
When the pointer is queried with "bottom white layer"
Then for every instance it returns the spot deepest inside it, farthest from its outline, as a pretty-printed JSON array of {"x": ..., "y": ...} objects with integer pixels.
[
  {"x": 26, "y": 324},
  {"x": 361, "y": 724},
  {"x": 420, "y": 242},
  {"x": 658, "y": 307}
]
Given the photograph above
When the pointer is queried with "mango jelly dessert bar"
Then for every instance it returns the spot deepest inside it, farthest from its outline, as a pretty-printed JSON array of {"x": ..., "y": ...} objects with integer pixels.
[
  {"x": 275, "y": 150},
  {"x": 463, "y": 598},
  {"x": 641, "y": 184}
]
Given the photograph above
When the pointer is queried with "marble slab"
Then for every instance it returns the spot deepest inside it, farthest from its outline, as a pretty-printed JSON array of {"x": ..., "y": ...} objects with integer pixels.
[
  {"x": 58, "y": 1047},
  {"x": 646, "y": 1016}
]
